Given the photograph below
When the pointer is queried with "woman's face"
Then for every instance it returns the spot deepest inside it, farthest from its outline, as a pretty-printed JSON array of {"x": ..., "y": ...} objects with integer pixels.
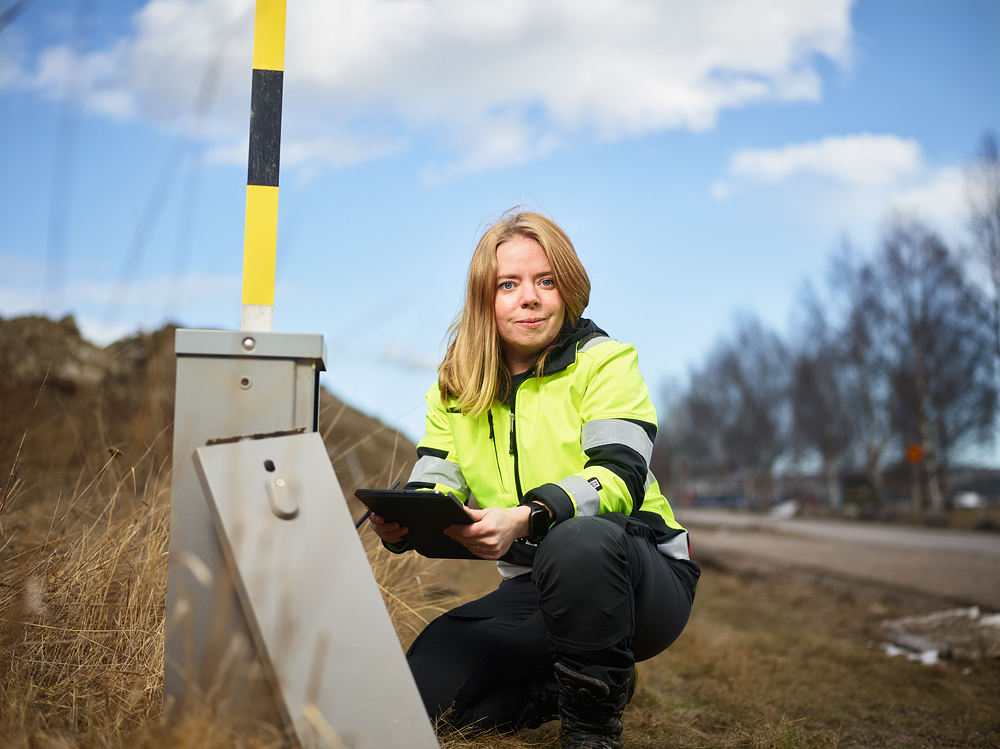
[{"x": 528, "y": 306}]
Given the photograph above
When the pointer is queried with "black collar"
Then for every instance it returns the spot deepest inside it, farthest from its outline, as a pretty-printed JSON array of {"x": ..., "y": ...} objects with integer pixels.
[{"x": 570, "y": 339}]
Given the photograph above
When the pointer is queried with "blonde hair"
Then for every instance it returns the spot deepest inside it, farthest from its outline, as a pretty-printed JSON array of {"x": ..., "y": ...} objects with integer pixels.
[{"x": 474, "y": 369}]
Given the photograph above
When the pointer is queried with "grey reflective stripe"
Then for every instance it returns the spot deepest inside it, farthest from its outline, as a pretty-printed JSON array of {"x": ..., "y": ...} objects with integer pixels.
[
  {"x": 650, "y": 478},
  {"x": 677, "y": 547},
  {"x": 594, "y": 341},
  {"x": 588, "y": 501},
  {"x": 431, "y": 470},
  {"x": 617, "y": 432}
]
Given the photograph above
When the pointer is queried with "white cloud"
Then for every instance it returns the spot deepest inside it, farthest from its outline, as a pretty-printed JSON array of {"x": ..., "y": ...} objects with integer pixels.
[
  {"x": 497, "y": 82},
  {"x": 941, "y": 199},
  {"x": 106, "y": 309},
  {"x": 852, "y": 181},
  {"x": 102, "y": 333},
  {"x": 860, "y": 159}
]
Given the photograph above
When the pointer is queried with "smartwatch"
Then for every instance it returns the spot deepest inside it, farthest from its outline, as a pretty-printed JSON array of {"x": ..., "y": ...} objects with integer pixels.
[{"x": 538, "y": 521}]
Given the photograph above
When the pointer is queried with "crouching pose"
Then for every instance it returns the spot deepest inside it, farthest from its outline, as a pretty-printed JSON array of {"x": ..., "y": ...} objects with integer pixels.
[{"x": 546, "y": 421}]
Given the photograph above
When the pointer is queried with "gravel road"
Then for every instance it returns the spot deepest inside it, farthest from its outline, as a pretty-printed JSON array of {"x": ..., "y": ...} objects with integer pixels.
[{"x": 960, "y": 565}]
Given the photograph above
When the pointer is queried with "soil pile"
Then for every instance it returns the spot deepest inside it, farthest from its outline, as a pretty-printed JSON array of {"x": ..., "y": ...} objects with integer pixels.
[{"x": 68, "y": 404}]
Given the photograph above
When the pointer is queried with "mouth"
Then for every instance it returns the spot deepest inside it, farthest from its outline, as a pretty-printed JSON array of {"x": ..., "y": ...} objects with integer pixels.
[{"x": 531, "y": 323}]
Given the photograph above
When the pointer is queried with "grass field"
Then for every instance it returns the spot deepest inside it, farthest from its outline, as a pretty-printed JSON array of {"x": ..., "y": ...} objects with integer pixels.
[{"x": 769, "y": 659}]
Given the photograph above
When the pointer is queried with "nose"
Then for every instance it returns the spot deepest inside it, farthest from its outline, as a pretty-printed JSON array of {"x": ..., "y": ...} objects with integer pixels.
[{"x": 529, "y": 296}]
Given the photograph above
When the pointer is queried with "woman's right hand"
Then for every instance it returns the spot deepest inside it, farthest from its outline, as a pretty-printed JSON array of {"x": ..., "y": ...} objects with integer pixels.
[{"x": 391, "y": 533}]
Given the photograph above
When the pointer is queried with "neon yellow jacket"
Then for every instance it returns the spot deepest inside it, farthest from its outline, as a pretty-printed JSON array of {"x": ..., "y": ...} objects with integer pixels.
[{"x": 580, "y": 439}]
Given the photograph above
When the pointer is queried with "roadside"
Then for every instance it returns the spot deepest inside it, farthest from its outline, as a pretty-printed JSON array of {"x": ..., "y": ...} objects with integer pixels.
[
  {"x": 780, "y": 656},
  {"x": 960, "y": 566}
]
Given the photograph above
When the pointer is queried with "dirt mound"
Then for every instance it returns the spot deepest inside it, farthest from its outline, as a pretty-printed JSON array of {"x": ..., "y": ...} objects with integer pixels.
[
  {"x": 32, "y": 346},
  {"x": 117, "y": 403}
]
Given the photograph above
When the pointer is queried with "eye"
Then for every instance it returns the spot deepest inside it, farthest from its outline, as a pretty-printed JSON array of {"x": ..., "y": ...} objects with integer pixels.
[
  {"x": 507, "y": 285},
  {"x": 548, "y": 283}
]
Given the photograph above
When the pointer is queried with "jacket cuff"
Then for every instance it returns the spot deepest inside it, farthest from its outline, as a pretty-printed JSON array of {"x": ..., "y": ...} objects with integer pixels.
[
  {"x": 557, "y": 500},
  {"x": 397, "y": 548}
]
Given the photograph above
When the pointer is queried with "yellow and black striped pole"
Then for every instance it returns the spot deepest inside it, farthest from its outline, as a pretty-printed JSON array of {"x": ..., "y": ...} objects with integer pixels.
[{"x": 261, "y": 230}]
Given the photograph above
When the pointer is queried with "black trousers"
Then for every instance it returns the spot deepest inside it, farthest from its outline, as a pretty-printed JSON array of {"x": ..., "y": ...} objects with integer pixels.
[{"x": 599, "y": 598}]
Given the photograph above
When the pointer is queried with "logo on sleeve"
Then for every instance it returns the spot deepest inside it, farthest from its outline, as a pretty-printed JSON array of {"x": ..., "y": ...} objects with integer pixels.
[{"x": 595, "y": 483}]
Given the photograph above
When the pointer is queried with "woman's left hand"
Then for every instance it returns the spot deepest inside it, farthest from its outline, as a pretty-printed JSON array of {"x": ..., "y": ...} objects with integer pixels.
[{"x": 495, "y": 529}]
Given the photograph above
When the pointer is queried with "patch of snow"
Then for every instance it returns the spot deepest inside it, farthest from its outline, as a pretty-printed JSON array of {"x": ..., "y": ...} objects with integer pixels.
[
  {"x": 785, "y": 510},
  {"x": 926, "y": 657}
]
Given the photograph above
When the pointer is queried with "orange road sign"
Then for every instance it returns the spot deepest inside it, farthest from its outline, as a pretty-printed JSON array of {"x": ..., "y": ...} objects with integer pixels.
[{"x": 914, "y": 453}]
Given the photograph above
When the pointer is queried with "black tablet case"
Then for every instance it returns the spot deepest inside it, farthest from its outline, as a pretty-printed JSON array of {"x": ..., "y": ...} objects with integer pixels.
[{"x": 426, "y": 514}]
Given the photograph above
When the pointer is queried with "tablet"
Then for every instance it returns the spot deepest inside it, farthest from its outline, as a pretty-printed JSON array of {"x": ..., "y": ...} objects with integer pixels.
[{"x": 426, "y": 514}]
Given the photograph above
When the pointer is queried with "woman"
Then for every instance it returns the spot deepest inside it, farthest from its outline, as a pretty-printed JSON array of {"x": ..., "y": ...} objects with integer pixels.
[{"x": 547, "y": 422}]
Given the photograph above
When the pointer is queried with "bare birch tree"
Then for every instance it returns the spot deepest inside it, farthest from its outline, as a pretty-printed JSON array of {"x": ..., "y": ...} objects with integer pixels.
[
  {"x": 942, "y": 372},
  {"x": 818, "y": 396},
  {"x": 983, "y": 183},
  {"x": 867, "y": 389},
  {"x": 749, "y": 379}
]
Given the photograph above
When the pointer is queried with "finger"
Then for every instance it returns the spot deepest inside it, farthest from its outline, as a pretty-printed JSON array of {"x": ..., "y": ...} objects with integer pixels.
[
  {"x": 465, "y": 531},
  {"x": 483, "y": 551}
]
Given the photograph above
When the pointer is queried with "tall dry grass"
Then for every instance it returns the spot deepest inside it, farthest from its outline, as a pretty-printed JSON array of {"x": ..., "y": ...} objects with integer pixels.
[
  {"x": 82, "y": 614},
  {"x": 84, "y": 528},
  {"x": 82, "y": 610}
]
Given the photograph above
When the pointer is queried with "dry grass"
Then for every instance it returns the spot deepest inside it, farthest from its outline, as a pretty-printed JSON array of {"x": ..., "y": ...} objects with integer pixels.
[
  {"x": 767, "y": 660},
  {"x": 82, "y": 619},
  {"x": 84, "y": 526},
  {"x": 763, "y": 663},
  {"x": 410, "y": 586},
  {"x": 82, "y": 615}
]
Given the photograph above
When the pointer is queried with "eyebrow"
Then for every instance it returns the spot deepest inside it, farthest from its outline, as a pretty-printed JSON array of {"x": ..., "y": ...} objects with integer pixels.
[{"x": 516, "y": 276}]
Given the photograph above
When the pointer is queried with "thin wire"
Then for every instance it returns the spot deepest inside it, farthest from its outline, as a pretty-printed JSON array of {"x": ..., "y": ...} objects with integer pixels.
[
  {"x": 176, "y": 156},
  {"x": 67, "y": 142},
  {"x": 13, "y": 12},
  {"x": 192, "y": 183}
]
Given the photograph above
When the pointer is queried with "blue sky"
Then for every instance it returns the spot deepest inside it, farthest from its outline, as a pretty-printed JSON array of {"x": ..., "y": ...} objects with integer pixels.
[{"x": 706, "y": 158}]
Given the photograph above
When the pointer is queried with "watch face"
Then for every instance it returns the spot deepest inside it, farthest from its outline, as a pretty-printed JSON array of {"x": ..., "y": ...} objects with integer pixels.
[{"x": 538, "y": 521}]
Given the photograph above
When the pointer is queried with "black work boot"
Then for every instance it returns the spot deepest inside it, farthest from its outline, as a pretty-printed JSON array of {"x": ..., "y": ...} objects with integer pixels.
[
  {"x": 543, "y": 702},
  {"x": 591, "y": 710}
]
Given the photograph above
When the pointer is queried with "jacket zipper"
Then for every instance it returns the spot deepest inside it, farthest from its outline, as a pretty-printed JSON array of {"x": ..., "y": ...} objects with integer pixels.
[
  {"x": 513, "y": 451},
  {"x": 496, "y": 455}
]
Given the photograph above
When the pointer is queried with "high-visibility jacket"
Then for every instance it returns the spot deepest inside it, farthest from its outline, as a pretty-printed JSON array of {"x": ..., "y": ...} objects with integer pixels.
[{"x": 579, "y": 438}]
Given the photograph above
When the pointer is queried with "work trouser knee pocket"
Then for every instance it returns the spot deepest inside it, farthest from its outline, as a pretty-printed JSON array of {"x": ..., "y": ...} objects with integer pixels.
[{"x": 584, "y": 584}]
